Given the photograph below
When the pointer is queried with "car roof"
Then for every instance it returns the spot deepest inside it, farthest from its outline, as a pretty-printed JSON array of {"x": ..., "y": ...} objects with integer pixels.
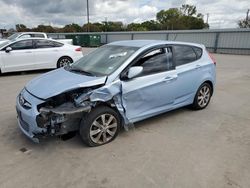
[
  {"x": 8, "y": 42},
  {"x": 34, "y": 38},
  {"x": 30, "y": 33},
  {"x": 142, "y": 43}
]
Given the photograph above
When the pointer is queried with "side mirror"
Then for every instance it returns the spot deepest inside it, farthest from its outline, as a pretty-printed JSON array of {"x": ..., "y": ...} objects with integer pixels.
[
  {"x": 8, "y": 49},
  {"x": 134, "y": 71}
]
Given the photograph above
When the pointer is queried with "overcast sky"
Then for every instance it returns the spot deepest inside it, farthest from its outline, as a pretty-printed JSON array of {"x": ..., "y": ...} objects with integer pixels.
[{"x": 222, "y": 13}]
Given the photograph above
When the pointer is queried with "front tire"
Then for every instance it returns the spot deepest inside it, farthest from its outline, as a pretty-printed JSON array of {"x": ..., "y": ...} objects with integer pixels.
[
  {"x": 202, "y": 97},
  {"x": 100, "y": 126}
]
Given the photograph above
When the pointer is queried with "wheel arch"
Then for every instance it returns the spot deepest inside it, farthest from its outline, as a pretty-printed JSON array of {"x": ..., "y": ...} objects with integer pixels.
[
  {"x": 64, "y": 56},
  {"x": 110, "y": 104},
  {"x": 211, "y": 85},
  {"x": 194, "y": 103}
]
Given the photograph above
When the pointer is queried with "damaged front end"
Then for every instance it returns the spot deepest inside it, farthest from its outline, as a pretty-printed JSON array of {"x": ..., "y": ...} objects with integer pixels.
[
  {"x": 62, "y": 119},
  {"x": 62, "y": 114}
]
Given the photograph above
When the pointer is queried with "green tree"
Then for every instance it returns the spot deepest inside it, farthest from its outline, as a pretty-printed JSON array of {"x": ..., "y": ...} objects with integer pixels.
[
  {"x": 99, "y": 26},
  {"x": 165, "y": 16},
  {"x": 151, "y": 25},
  {"x": 169, "y": 19},
  {"x": 188, "y": 10},
  {"x": 93, "y": 27},
  {"x": 44, "y": 28},
  {"x": 186, "y": 17},
  {"x": 244, "y": 23},
  {"x": 115, "y": 26},
  {"x": 72, "y": 28},
  {"x": 21, "y": 28},
  {"x": 136, "y": 27}
]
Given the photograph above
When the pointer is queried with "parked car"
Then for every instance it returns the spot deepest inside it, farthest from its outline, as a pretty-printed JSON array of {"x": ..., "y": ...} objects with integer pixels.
[
  {"x": 115, "y": 86},
  {"x": 36, "y": 53},
  {"x": 23, "y": 35}
]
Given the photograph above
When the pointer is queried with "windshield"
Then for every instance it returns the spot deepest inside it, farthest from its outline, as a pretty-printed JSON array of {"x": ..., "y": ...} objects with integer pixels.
[
  {"x": 3, "y": 44},
  {"x": 104, "y": 60},
  {"x": 11, "y": 37}
]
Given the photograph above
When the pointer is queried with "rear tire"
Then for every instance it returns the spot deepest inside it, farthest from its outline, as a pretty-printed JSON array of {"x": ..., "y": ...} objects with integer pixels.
[
  {"x": 202, "y": 97},
  {"x": 64, "y": 61},
  {"x": 100, "y": 126}
]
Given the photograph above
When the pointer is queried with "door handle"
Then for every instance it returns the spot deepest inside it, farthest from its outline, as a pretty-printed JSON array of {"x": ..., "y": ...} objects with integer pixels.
[
  {"x": 197, "y": 66},
  {"x": 170, "y": 78},
  {"x": 28, "y": 52}
]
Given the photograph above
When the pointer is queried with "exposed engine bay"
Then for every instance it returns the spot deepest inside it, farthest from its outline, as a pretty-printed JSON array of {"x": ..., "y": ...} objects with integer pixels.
[{"x": 63, "y": 113}]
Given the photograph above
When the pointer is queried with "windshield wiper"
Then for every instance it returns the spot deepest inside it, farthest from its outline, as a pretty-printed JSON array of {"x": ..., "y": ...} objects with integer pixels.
[{"x": 80, "y": 71}]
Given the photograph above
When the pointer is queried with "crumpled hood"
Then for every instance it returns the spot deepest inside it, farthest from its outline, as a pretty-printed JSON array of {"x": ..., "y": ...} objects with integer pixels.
[{"x": 60, "y": 80}]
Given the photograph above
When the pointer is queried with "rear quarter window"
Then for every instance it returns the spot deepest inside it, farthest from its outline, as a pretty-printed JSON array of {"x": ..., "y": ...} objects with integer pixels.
[
  {"x": 198, "y": 52},
  {"x": 184, "y": 54},
  {"x": 58, "y": 44}
]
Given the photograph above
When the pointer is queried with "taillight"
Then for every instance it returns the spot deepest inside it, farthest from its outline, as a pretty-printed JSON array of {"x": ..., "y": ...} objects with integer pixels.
[
  {"x": 78, "y": 49},
  {"x": 212, "y": 58}
]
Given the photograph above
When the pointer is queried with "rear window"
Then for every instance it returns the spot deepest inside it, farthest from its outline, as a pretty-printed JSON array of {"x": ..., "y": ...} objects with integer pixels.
[
  {"x": 184, "y": 54},
  {"x": 58, "y": 44}
]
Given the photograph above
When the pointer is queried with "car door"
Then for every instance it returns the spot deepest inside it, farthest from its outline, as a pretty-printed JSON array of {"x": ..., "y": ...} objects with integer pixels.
[
  {"x": 20, "y": 57},
  {"x": 46, "y": 53},
  {"x": 153, "y": 91},
  {"x": 188, "y": 71}
]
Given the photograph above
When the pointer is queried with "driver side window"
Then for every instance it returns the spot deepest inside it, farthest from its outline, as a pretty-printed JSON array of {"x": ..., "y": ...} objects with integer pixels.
[
  {"x": 155, "y": 61},
  {"x": 22, "y": 45}
]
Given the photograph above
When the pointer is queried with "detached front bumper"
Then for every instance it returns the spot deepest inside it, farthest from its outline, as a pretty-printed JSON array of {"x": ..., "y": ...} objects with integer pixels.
[{"x": 26, "y": 117}]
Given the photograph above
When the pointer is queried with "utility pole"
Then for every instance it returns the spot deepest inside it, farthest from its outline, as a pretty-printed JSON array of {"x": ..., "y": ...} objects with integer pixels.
[
  {"x": 247, "y": 14},
  {"x": 88, "y": 15},
  {"x": 207, "y": 17},
  {"x": 106, "y": 24}
]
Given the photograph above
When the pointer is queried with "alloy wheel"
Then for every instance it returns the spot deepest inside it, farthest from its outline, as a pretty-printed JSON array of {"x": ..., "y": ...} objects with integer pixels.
[
  {"x": 64, "y": 62},
  {"x": 103, "y": 128},
  {"x": 204, "y": 96}
]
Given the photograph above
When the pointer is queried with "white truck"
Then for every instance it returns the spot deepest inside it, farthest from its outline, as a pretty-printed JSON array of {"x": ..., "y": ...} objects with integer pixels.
[{"x": 32, "y": 35}]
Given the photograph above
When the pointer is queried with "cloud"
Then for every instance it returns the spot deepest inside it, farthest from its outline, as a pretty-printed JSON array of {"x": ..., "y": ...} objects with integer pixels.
[{"x": 222, "y": 14}]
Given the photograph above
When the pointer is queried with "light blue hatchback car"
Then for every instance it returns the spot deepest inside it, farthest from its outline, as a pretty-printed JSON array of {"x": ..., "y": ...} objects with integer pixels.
[{"x": 115, "y": 86}]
